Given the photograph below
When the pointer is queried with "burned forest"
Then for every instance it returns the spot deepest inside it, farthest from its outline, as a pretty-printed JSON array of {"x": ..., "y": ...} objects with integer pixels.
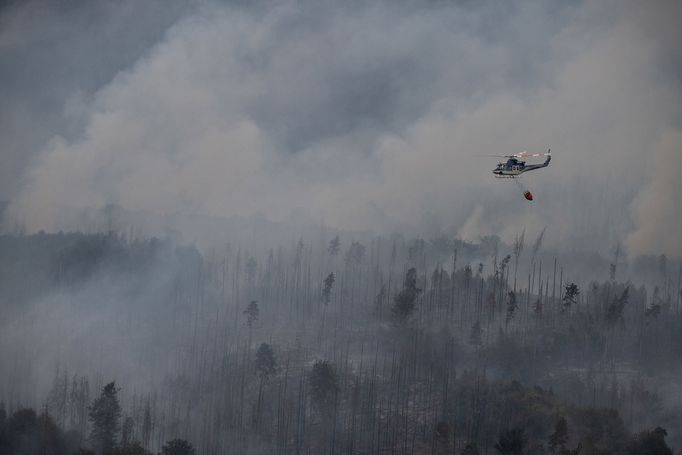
[
  {"x": 391, "y": 345},
  {"x": 324, "y": 227}
]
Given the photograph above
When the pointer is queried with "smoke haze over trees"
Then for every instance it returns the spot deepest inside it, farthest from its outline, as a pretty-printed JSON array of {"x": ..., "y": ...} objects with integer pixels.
[
  {"x": 259, "y": 352},
  {"x": 267, "y": 227}
]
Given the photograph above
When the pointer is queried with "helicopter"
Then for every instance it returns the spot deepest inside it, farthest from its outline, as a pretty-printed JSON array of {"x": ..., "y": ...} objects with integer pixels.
[{"x": 514, "y": 167}]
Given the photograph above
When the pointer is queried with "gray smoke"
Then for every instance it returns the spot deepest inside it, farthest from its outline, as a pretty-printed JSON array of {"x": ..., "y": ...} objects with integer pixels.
[
  {"x": 372, "y": 116},
  {"x": 657, "y": 209}
]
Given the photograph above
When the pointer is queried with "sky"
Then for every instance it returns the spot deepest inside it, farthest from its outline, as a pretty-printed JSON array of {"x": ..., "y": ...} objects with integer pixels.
[{"x": 366, "y": 115}]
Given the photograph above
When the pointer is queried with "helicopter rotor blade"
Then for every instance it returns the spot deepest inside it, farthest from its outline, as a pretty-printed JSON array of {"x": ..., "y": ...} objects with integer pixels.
[
  {"x": 523, "y": 154},
  {"x": 528, "y": 155}
]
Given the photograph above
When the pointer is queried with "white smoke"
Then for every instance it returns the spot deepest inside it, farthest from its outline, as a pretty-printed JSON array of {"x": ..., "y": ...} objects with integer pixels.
[
  {"x": 373, "y": 119},
  {"x": 657, "y": 209}
]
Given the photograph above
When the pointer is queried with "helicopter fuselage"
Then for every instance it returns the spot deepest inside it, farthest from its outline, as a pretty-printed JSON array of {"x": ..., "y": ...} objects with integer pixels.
[{"x": 514, "y": 167}]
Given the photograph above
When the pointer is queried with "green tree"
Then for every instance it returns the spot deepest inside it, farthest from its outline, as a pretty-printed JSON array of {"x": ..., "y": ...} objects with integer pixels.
[
  {"x": 327, "y": 290},
  {"x": 266, "y": 363},
  {"x": 511, "y": 307},
  {"x": 558, "y": 439},
  {"x": 134, "y": 448},
  {"x": 177, "y": 447},
  {"x": 251, "y": 313},
  {"x": 575, "y": 451},
  {"x": 22, "y": 432},
  {"x": 324, "y": 385},
  {"x": 405, "y": 301},
  {"x": 650, "y": 443},
  {"x": 29, "y": 433},
  {"x": 334, "y": 246},
  {"x": 614, "y": 312},
  {"x": 511, "y": 442},
  {"x": 355, "y": 253},
  {"x": 571, "y": 296},
  {"x": 599, "y": 430},
  {"x": 105, "y": 416}
]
